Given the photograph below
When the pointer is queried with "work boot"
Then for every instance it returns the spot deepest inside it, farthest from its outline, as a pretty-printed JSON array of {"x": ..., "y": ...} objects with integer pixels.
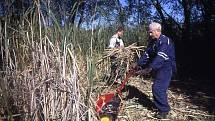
[{"x": 161, "y": 115}]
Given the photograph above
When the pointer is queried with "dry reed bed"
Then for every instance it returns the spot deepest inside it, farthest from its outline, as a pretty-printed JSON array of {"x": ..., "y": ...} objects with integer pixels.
[
  {"x": 41, "y": 74},
  {"x": 46, "y": 87}
]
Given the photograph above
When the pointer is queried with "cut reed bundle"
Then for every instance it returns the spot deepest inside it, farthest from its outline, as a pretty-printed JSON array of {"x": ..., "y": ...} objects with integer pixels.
[{"x": 123, "y": 57}]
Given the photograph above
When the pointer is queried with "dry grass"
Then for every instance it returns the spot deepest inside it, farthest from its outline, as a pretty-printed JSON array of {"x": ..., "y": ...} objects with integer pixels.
[{"x": 42, "y": 82}]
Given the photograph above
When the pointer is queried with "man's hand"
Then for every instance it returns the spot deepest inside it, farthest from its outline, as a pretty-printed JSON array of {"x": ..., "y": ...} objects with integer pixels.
[
  {"x": 134, "y": 66},
  {"x": 144, "y": 72}
]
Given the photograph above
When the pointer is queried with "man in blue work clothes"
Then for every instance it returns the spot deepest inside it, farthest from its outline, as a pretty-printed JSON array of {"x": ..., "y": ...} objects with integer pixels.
[{"x": 159, "y": 57}]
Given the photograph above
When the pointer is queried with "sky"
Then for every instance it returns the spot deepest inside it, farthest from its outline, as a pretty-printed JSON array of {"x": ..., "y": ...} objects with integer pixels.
[{"x": 166, "y": 7}]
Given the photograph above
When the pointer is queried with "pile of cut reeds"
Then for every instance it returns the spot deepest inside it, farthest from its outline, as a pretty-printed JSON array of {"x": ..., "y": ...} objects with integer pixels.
[
  {"x": 125, "y": 54},
  {"x": 123, "y": 58}
]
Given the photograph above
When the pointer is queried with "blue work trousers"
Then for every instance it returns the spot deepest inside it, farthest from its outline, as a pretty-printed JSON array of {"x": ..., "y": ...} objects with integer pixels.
[{"x": 160, "y": 87}]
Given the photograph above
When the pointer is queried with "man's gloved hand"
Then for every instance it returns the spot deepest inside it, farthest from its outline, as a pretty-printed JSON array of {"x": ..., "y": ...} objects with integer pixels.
[{"x": 144, "y": 72}]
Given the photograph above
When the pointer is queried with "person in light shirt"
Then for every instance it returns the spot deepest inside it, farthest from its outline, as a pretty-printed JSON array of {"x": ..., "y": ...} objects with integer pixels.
[{"x": 116, "y": 40}]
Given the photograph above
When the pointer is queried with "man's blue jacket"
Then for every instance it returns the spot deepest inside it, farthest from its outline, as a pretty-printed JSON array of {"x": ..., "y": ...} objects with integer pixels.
[{"x": 159, "y": 54}]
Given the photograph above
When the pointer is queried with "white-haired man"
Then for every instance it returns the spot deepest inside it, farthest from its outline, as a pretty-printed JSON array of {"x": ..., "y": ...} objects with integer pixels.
[{"x": 159, "y": 57}]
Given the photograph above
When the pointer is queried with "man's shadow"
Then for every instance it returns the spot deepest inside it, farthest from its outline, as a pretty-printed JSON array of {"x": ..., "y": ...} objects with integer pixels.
[{"x": 142, "y": 98}]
